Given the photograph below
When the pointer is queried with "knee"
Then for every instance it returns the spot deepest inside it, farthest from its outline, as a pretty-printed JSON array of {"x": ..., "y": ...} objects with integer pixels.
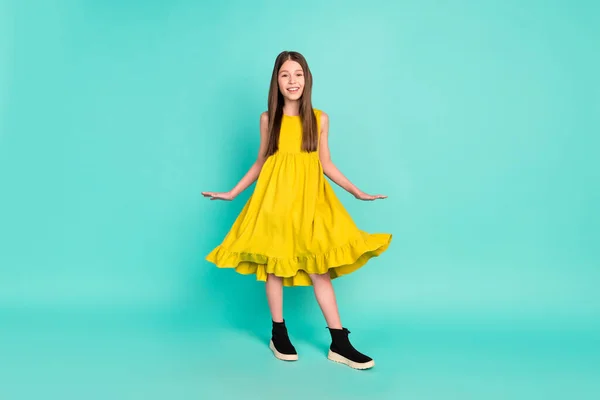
[
  {"x": 319, "y": 278},
  {"x": 274, "y": 278}
]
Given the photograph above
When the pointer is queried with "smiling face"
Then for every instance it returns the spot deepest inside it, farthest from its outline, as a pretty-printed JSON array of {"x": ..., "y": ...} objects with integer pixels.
[{"x": 291, "y": 80}]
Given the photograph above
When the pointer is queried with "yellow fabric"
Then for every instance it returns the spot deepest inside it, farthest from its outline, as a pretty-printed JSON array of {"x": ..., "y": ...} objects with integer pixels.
[{"x": 293, "y": 224}]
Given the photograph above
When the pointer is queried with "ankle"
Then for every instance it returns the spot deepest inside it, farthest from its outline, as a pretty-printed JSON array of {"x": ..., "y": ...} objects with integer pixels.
[{"x": 279, "y": 326}]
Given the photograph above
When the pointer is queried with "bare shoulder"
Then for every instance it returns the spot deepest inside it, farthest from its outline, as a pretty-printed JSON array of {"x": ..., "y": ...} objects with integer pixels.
[
  {"x": 264, "y": 117},
  {"x": 324, "y": 119}
]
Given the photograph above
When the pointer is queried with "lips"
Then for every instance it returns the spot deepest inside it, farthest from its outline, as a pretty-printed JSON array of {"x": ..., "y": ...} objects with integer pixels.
[{"x": 293, "y": 89}]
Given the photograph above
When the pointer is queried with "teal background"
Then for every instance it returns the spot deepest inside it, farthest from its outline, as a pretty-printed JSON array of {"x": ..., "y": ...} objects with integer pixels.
[{"x": 479, "y": 120}]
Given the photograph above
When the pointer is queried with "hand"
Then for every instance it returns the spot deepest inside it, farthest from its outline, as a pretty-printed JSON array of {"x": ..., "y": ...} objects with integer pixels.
[
  {"x": 369, "y": 197},
  {"x": 218, "y": 195}
]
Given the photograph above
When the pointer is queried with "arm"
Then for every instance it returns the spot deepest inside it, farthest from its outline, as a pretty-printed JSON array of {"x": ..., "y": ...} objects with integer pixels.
[
  {"x": 252, "y": 174},
  {"x": 331, "y": 171}
]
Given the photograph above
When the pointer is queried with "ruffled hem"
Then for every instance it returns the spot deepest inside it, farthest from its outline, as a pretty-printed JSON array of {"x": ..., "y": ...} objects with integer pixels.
[{"x": 295, "y": 271}]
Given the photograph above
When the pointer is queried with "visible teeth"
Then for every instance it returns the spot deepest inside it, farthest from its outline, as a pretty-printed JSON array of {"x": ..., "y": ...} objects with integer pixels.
[{"x": 293, "y": 89}]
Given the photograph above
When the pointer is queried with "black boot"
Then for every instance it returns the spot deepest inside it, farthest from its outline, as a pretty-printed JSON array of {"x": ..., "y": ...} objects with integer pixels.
[
  {"x": 280, "y": 343},
  {"x": 342, "y": 351}
]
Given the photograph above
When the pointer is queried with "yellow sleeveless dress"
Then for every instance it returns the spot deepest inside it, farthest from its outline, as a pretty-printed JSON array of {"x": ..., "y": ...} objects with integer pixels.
[{"x": 293, "y": 224}]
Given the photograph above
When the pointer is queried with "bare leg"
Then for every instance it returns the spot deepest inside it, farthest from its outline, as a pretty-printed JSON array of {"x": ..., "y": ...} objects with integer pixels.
[
  {"x": 326, "y": 299},
  {"x": 280, "y": 343},
  {"x": 341, "y": 350},
  {"x": 274, "y": 289}
]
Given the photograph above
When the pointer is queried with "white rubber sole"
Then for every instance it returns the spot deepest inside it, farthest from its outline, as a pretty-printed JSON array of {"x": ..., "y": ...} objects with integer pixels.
[
  {"x": 281, "y": 356},
  {"x": 343, "y": 360}
]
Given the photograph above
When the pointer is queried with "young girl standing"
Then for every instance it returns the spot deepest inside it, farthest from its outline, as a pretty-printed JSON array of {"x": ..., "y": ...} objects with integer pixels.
[{"x": 293, "y": 231}]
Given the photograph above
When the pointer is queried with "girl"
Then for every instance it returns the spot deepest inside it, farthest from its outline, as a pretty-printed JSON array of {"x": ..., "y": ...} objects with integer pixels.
[{"x": 293, "y": 231}]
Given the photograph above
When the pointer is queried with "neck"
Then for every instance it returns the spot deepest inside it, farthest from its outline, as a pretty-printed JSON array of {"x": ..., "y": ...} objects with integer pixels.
[{"x": 291, "y": 107}]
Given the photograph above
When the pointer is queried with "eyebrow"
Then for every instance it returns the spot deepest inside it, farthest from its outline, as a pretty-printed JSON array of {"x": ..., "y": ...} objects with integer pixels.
[{"x": 285, "y": 70}]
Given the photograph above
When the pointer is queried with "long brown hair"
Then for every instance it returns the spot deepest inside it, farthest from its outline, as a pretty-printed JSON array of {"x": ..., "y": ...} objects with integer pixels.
[{"x": 275, "y": 110}]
